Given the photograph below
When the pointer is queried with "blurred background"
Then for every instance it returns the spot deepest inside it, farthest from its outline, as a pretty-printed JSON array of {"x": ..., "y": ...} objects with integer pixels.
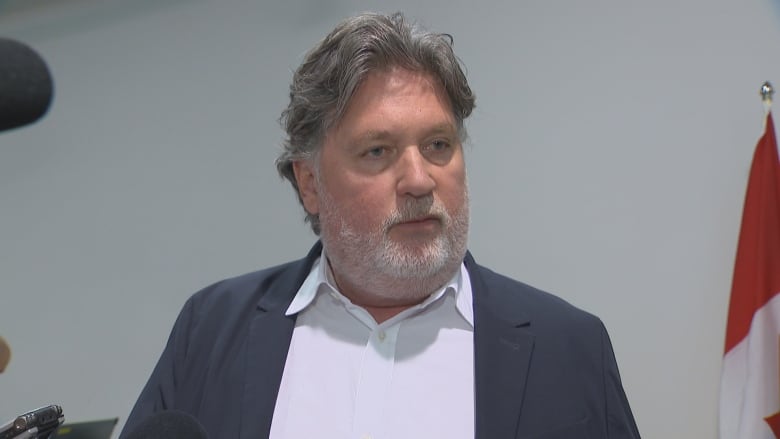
[{"x": 608, "y": 159}]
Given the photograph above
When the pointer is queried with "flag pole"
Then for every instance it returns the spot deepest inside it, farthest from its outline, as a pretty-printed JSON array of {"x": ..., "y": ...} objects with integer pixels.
[{"x": 767, "y": 91}]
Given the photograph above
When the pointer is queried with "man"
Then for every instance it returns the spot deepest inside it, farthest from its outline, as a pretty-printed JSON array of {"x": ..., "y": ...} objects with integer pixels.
[{"x": 388, "y": 328}]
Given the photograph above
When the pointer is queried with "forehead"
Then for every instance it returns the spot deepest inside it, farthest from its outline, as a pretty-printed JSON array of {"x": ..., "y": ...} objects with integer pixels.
[{"x": 394, "y": 93}]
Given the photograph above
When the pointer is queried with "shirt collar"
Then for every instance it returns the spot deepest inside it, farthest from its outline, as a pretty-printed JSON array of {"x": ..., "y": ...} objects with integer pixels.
[{"x": 319, "y": 276}]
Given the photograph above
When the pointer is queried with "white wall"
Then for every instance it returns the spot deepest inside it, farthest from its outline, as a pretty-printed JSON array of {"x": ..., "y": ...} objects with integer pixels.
[{"x": 609, "y": 157}]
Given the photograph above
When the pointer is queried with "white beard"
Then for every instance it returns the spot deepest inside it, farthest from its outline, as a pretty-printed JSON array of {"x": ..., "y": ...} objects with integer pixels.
[{"x": 390, "y": 271}]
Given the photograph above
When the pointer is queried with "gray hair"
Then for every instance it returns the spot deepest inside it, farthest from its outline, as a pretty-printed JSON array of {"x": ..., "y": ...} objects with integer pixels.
[{"x": 331, "y": 72}]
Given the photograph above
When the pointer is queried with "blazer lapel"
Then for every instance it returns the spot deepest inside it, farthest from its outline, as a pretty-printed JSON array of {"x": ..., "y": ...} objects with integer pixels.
[
  {"x": 502, "y": 355},
  {"x": 270, "y": 332}
]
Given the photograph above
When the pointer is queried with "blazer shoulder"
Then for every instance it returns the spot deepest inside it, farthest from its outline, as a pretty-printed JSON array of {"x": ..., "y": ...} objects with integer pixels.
[
  {"x": 211, "y": 320},
  {"x": 248, "y": 290},
  {"x": 519, "y": 297},
  {"x": 274, "y": 285}
]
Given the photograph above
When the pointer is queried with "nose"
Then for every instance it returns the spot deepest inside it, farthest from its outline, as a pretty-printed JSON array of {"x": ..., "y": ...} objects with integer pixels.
[{"x": 414, "y": 172}]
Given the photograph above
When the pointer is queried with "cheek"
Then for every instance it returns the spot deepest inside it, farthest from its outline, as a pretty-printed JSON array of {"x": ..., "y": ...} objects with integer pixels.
[
  {"x": 455, "y": 200},
  {"x": 363, "y": 206},
  {"x": 452, "y": 189},
  {"x": 370, "y": 209}
]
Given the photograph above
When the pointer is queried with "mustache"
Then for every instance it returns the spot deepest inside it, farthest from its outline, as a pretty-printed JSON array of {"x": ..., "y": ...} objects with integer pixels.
[{"x": 417, "y": 209}]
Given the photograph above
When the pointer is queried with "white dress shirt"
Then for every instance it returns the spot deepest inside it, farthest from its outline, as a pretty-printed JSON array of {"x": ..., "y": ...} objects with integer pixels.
[{"x": 347, "y": 377}]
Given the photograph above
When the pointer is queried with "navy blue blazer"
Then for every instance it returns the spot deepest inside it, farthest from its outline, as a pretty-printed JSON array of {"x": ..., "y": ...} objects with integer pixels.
[{"x": 543, "y": 368}]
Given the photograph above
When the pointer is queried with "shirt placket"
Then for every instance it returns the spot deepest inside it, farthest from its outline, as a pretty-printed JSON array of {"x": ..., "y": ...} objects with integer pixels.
[{"x": 376, "y": 375}]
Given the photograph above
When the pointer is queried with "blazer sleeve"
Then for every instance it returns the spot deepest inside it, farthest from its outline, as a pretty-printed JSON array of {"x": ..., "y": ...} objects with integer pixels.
[
  {"x": 620, "y": 420},
  {"x": 160, "y": 391}
]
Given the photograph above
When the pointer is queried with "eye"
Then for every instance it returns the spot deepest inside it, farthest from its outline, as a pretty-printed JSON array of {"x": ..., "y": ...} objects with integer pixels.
[
  {"x": 376, "y": 152},
  {"x": 438, "y": 151},
  {"x": 439, "y": 145}
]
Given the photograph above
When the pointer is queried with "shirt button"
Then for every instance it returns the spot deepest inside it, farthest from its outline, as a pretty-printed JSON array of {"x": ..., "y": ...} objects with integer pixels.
[{"x": 381, "y": 336}]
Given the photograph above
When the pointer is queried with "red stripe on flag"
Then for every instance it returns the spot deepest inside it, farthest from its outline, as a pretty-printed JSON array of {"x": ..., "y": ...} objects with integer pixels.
[
  {"x": 774, "y": 423},
  {"x": 757, "y": 266}
]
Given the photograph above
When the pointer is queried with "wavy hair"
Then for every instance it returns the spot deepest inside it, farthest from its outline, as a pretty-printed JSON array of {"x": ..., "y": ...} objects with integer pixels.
[{"x": 325, "y": 82}]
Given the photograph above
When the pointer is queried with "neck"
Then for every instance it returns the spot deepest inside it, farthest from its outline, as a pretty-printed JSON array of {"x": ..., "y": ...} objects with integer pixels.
[{"x": 381, "y": 298}]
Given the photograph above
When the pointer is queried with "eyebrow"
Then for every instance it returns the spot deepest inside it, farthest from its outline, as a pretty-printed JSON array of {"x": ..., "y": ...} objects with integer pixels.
[
  {"x": 444, "y": 127},
  {"x": 374, "y": 135}
]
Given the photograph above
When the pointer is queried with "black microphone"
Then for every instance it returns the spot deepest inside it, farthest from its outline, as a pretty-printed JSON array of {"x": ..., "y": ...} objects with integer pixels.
[
  {"x": 170, "y": 424},
  {"x": 26, "y": 86},
  {"x": 39, "y": 423},
  {"x": 5, "y": 354}
]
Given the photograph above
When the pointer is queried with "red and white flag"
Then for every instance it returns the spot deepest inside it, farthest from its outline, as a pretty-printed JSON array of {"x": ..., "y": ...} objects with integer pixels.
[{"x": 750, "y": 382}]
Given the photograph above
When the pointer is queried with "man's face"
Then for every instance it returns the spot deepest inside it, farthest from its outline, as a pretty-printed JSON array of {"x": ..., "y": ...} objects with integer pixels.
[{"x": 389, "y": 186}]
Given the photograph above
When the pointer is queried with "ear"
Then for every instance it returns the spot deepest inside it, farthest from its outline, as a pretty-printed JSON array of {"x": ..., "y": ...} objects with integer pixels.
[{"x": 307, "y": 185}]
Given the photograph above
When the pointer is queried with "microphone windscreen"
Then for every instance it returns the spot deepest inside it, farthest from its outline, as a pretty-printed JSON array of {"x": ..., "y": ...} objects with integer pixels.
[
  {"x": 26, "y": 86},
  {"x": 170, "y": 424},
  {"x": 5, "y": 354}
]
